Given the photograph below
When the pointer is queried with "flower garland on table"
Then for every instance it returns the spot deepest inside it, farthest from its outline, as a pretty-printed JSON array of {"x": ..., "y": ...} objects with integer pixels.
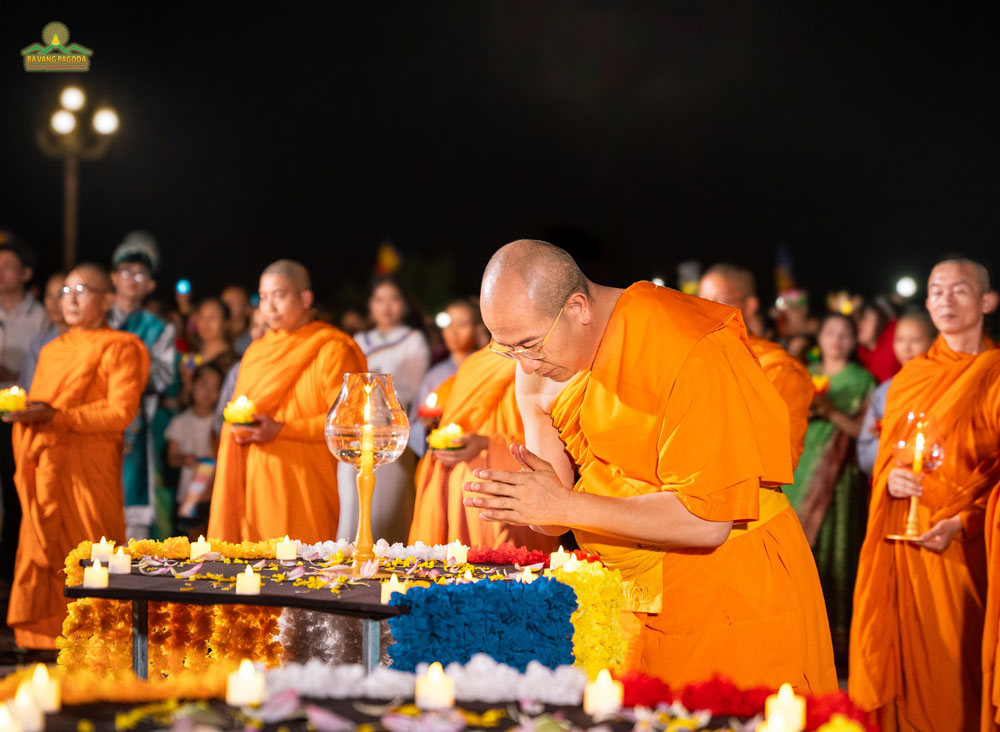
[
  {"x": 97, "y": 633},
  {"x": 83, "y": 687},
  {"x": 598, "y": 641},
  {"x": 513, "y": 622}
]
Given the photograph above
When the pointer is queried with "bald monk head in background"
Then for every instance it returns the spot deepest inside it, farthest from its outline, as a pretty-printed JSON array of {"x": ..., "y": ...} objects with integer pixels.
[
  {"x": 277, "y": 477},
  {"x": 680, "y": 441},
  {"x": 900, "y": 620},
  {"x": 734, "y": 286},
  {"x": 68, "y": 447}
]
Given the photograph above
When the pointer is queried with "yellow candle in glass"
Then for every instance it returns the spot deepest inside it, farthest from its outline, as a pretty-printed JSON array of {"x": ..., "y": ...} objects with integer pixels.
[{"x": 918, "y": 454}]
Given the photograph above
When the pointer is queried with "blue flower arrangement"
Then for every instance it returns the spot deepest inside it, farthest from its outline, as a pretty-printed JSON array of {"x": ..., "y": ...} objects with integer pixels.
[{"x": 513, "y": 622}]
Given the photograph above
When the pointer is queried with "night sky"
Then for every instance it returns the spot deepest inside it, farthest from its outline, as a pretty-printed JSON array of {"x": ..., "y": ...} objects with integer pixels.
[{"x": 634, "y": 134}]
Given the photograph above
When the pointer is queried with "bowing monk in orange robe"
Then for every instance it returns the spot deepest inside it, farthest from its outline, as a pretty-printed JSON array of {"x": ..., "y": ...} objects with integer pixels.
[
  {"x": 681, "y": 443},
  {"x": 277, "y": 477},
  {"x": 482, "y": 401},
  {"x": 68, "y": 450},
  {"x": 734, "y": 286},
  {"x": 916, "y": 632}
]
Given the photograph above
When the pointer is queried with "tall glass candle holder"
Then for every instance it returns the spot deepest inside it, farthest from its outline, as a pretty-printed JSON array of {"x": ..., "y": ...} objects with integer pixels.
[
  {"x": 366, "y": 427},
  {"x": 917, "y": 447}
]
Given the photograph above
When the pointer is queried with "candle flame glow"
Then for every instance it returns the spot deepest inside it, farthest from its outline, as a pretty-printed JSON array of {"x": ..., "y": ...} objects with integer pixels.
[
  {"x": 432, "y": 399},
  {"x": 435, "y": 672},
  {"x": 41, "y": 675},
  {"x": 604, "y": 677}
]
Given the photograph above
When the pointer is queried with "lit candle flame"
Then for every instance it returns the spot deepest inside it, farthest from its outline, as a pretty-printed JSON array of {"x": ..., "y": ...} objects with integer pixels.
[{"x": 432, "y": 399}]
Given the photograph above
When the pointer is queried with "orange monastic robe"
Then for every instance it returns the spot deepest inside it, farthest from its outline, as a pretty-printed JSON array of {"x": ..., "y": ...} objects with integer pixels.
[
  {"x": 69, "y": 470},
  {"x": 917, "y": 627},
  {"x": 289, "y": 485},
  {"x": 794, "y": 384},
  {"x": 480, "y": 398},
  {"x": 675, "y": 401}
]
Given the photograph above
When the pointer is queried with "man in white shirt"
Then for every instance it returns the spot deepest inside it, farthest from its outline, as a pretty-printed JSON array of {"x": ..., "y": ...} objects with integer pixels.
[{"x": 22, "y": 318}]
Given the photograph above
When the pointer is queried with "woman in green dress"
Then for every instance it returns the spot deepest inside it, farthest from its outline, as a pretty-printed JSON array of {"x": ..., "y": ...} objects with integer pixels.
[{"x": 830, "y": 493}]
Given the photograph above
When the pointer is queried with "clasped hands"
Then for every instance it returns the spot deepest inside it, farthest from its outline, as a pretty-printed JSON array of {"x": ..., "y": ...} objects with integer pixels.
[
  {"x": 904, "y": 483},
  {"x": 532, "y": 497},
  {"x": 263, "y": 429}
]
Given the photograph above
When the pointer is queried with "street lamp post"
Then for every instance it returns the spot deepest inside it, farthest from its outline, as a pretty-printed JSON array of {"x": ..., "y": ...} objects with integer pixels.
[{"x": 65, "y": 139}]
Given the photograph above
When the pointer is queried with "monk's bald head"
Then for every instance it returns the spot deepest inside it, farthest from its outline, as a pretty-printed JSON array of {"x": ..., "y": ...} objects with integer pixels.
[
  {"x": 974, "y": 271},
  {"x": 296, "y": 273},
  {"x": 730, "y": 285},
  {"x": 543, "y": 275},
  {"x": 93, "y": 275}
]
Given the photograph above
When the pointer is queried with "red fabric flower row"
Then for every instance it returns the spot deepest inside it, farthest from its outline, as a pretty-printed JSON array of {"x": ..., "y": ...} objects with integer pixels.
[
  {"x": 510, "y": 554},
  {"x": 723, "y": 698}
]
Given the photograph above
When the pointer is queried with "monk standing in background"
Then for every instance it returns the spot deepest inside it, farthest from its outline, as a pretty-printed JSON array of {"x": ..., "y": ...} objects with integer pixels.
[
  {"x": 734, "y": 286},
  {"x": 917, "y": 629},
  {"x": 278, "y": 477},
  {"x": 68, "y": 447},
  {"x": 481, "y": 400},
  {"x": 681, "y": 442}
]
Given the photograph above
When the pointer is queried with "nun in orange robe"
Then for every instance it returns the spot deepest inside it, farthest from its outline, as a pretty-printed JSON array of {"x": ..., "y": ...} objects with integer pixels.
[
  {"x": 479, "y": 398},
  {"x": 794, "y": 384},
  {"x": 916, "y": 633},
  {"x": 288, "y": 485},
  {"x": 69, "y": 470},
  {"x": 675, "y": 401}
]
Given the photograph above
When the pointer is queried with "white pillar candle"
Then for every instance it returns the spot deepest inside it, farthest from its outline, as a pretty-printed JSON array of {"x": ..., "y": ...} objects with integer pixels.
[
  {"x": 245, "y": 686},
  {"x": 784, "y": 711},
  {"x": 101, "y": 552},
  {"x": 248, "y": 583},
  {"x": 434, "y": 690},
  {"x": 559, "y": 558},
  {"x": 393, "y": 585},
  {"x": 200, "y": 547},
  {"x": 26, "y": 710},
  {"x": 7, "y": 721},
  {"x": 603, "y": 696},
  {"x": 286, "y": 550},
  {"x": 468, "y": 576},
  {"x": 46, "y": 689},
  {"x": 527, "y": 577},
  {"x": 457, "y": 553},
  {"x": 572, "y": 564},
  {"x": 95, "y": 577},
  {"x": 120, "y": 563}
]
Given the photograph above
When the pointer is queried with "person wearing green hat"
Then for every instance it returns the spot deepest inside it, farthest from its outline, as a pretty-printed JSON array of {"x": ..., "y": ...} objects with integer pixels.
[{"x": 148, "y": 509}]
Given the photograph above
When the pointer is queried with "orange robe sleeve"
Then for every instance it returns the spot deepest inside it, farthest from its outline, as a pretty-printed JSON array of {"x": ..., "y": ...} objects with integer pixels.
[
  {"x": 69, "y": 470},
  {"x": 430, "y": 505}
]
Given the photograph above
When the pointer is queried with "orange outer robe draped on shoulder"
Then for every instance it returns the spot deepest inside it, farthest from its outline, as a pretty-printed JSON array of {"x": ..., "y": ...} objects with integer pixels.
[
  {"x": 69, "y": 470},
  {"x": 794, "y": 384},
  {"x": 480, "y": 398},
  {"x": 675, "y": 401},
  {"x": 916, "y": 632},
  {"x": 289, "y": 485}
]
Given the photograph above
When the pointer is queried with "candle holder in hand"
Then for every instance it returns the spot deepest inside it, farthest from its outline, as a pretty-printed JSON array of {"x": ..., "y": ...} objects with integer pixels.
[
  {"x": 366, "y": 427},
  {"x": 918, "y": 447}
]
